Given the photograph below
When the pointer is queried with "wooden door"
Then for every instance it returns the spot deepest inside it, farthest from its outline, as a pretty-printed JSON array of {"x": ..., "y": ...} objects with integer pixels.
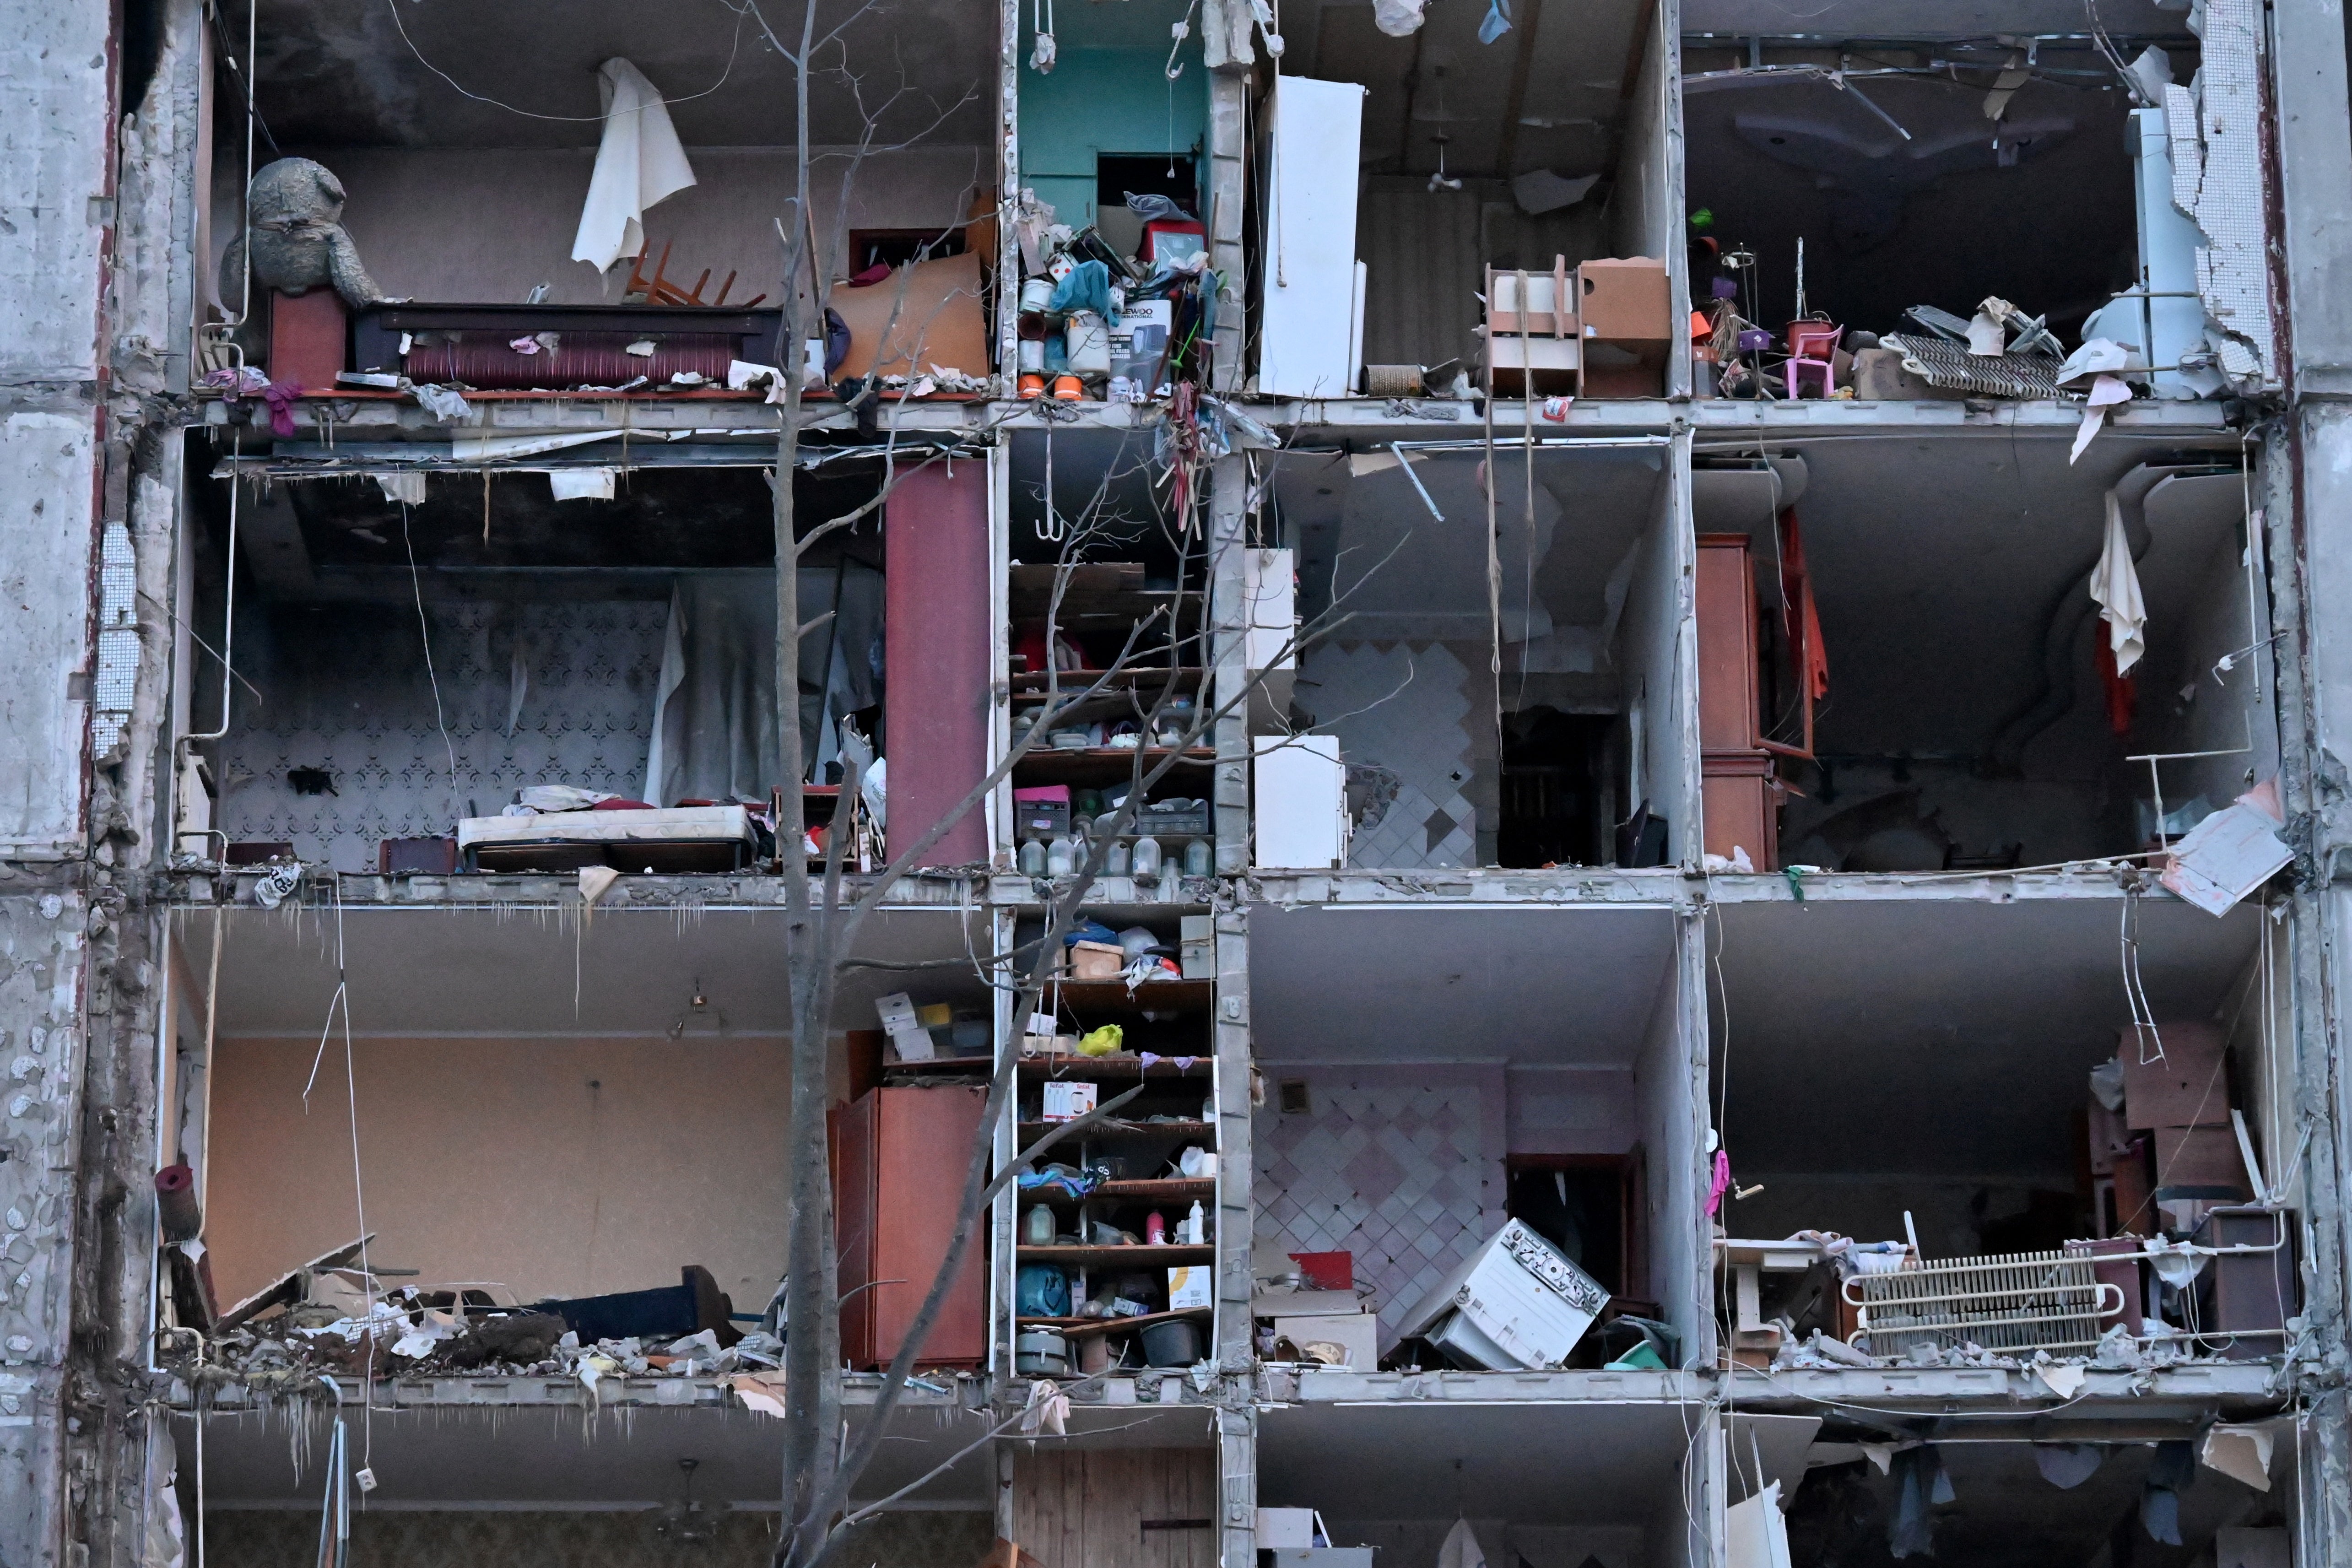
[{"x": 1117, "y": 1508}]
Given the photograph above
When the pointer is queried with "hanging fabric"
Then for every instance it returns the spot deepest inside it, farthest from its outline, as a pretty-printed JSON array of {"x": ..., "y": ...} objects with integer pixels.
[
  {"x": 638, "y": 163},
  {"x": 2114, "y": 585}
]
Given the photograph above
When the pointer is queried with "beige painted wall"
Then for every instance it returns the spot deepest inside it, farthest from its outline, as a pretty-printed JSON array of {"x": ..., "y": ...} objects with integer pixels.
[
  {"x": 556, "y": 1167},
  {"x": 484, "y": 224}
]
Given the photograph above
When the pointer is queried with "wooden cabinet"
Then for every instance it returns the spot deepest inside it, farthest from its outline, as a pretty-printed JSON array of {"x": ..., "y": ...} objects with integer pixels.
[
  {"x": 900, "y": 1158},
  {"x": 1739, "y": 795}
]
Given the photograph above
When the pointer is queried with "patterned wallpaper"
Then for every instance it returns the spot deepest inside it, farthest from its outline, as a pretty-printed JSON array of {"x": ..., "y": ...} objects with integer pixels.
[
  {"x": 1400, "y": 1166},
  {"x": 283, "y": 1538},
  {"x": 345, "y": 689}
]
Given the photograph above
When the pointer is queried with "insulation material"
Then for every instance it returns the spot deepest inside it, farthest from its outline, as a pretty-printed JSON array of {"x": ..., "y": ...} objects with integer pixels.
[{"x": 2216, "y": 179}]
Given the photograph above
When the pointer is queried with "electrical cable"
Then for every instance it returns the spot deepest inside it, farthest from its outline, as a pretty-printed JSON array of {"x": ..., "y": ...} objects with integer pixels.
[
  {"x": 736, "y": 48},
  {"x": 424, "y": 635}
]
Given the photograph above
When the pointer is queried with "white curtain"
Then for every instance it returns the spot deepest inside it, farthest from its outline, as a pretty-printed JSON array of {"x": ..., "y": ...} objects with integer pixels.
[{"x": 714, "y": 728}]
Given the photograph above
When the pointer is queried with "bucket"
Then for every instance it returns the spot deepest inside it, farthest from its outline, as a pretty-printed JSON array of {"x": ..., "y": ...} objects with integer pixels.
[
  {"x": 1087, "y": 340},
  {"x": 1172, "y": 1343},
  {"x": 1041, "y": 1353},
  {"x": 1037, "y": 294},
  {"x": 1032, "y": 351}
]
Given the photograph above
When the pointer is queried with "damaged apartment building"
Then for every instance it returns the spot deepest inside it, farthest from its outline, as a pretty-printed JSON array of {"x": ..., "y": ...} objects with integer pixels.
[{"x": 1589, "y": 758}]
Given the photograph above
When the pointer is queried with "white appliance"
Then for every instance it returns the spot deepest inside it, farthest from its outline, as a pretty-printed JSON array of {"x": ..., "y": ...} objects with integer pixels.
[
  {"x": 1269, "y": 661},
  {"x": 1516, "y": 1304},
  {"x": 1308, "y": 334},
  {"x": 1300, "y": 796}
]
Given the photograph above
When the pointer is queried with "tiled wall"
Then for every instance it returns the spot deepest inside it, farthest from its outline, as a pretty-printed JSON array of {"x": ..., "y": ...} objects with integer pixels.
[
  {"x": 1401, "y": 1167},
  {"x": 346, "y": 689},
  {"x": 1412, "y": 713}
]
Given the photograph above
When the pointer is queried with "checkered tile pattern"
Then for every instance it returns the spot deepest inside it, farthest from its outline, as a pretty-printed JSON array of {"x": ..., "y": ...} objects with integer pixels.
[
  {"x": 1390, "y": 1173},
  {"x": 1404, "y": 706}
]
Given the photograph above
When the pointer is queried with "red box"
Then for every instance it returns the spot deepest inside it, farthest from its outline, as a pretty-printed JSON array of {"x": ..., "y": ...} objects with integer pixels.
[
  {"x": 1327, "y": 1270},
  {"x": 308, "y": 334}
]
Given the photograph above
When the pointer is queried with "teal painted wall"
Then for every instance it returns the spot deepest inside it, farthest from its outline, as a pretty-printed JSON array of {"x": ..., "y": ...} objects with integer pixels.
[{"x": 1108, "y": 92}]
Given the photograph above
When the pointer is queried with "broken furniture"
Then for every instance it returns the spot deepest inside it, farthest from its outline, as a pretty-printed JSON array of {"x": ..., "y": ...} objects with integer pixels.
[
  {"x": 1625, "y": 310},
  {"x": 1534, "y": 346},
  {"x": 2250, "y": 1295},
  {"x": 572, "y": 345},
  {"x": 2176, "y": 1089},
  {"x": 900, "y": 1158},
  {"x": 1753, "y": 1340},
  {"x": 1515, "y": 1304},
  {"x": 691, "y": 1305},
  {"x": 1334, "y": 1328},
  {"x": 675, "y": 840}
]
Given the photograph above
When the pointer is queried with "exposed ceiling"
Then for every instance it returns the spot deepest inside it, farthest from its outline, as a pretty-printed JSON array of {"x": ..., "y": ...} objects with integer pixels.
[
  {"x": 1944, "y": 19},
  {"x": 416, "y": 972},
  {"x": 1548, "y": 94},
  {"x": 420, "y": 73},
  {"x": 1537, "y": 1464},
  {"x": 1943, "y": 1037},
  {"x": 1370, "y": 544},
  {"x": 1530, "y": 986},
  {"x": 1939, "y": 567},
  {"x": 2036, "y": 208},
  {"x": 555, "y": 1456}
]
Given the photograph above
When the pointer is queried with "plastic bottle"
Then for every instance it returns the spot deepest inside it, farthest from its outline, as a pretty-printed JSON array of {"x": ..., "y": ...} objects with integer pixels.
[
  {"x": 1033, "y": 858},
  {"x": 1146, "y": 860},
  {"x": 1155, "y": 1229},
  {"x": 1062, "y": 856},
  {"x": 1197, "y": 858},
  {"x": 1114, "y": 860},
  {"x": 1196, "y": 1225},
  {"x": 1038, "y": 1226}
]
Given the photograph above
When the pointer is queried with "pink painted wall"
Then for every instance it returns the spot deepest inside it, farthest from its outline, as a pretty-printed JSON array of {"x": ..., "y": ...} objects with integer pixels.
[{"x": 935, "y": 614}]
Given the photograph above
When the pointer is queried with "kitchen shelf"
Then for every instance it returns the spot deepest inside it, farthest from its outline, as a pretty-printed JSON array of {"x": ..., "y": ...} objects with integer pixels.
[
  {"x": 1029, "y": 685},
  {"x": 1067, "y": 1068},
  {"x": 1152, "y": 996},
  {"x": 1165, "y": 1189},
  {"x": 1142, "y": 1256},
  {"x": 1030, "y": 1131},
  {"x": 1081, "y": 1328},
  {"x": 1106, "y": 764}
]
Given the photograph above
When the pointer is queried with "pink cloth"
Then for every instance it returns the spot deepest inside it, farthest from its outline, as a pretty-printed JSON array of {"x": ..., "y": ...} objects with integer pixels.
[{"x": 1722, "y": 1183}]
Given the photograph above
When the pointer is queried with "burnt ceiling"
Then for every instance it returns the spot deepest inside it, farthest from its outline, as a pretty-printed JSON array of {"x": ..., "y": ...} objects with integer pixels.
[{"x": 457, "y": 73}]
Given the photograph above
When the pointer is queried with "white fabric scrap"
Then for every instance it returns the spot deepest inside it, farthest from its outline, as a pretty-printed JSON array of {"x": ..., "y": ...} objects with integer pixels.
[
  {"x": 1398, "y": 19},
  {"x": 407, "y": 486},
  {"x": 2114, "y": 586},
  {"x": 595, "y": 882},
  {"x": 1460, "y": 1549},
  {"x": 1987, "y": 337},
  {"x": 742, "y": 375},
  {"x": 638, "y": 163},
  {"x": 2097, "y": 356},
  {"x": 2243, "y": 1453},
  {"x": 582, "y": 484},
  {"x": 443, "y": 404},
  {"x": 1048, "y": 1409},
  {"x": 2105, "y": 392}
]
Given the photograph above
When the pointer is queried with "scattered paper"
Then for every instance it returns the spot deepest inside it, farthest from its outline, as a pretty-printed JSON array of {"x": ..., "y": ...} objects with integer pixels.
[
  {"x": 582, "y": 484},
  {"x": 2239, "y": 1452},
  {"x": 2097, "y": 356},
  {"x": 403, "y": 487},
  {"x": 595, "y": 882},
  {"x": 2231, "y": 853},
  {"x": 1985, "y": 336},
  {"x": 2063, "y": 1381},
  {"x": 2105, "y": 392},
  {"x": 643, "y": 348}
]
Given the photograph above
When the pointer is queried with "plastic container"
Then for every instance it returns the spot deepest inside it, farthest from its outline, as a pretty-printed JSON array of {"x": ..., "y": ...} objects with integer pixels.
[
  {"x": 1086, "y": 341},
  {"x": 1036, "y": 294},
  {"x": 1146, "y": 860},
  {"x": 1062, "y": 856},
  {"x": 1037, "y": 1226},
  {"x": 1196, "y": 1225},
  {"x": 1176, "y": 1343},
  {"x": 1197, "y": 858},
  {"x": 1155, "y": 1229},
  {"x": 1033, "y": 858},
  {"x": 1039, "y": 1352},
  {"x": 1031, "y": 356},
  {"x": 1116, "y": 861}
]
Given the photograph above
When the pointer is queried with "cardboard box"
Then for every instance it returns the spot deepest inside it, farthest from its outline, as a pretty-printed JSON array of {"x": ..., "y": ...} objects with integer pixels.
[
  {"x": 1515, "y": 1304},
  {"x": 1356, "y": 1333},
  {"x": 938, "y": 320},
  {"x": 2187, "y": 1085},
  {"x": 909, "y": 1040},
  {"x": 1067, "y": 1101},
  {"x": 1624, "y": 300},
  {"x": 1190, "y": 1287},
  {"x": 1095, "y": 961}
]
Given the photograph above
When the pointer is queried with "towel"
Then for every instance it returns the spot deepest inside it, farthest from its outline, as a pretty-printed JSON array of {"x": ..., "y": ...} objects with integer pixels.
[
  {"x": 2115, "y": 584},
  {"x": 638, "y": 163}
]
